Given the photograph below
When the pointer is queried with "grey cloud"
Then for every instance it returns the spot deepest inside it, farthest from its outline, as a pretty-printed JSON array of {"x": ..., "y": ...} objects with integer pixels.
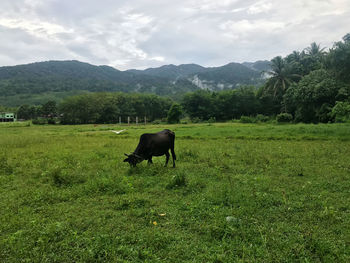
[{"x": 140, "y": 34}]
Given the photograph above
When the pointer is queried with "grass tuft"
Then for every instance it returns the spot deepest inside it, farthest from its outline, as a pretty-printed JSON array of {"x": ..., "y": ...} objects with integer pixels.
[{"x": 178, "y": 180}]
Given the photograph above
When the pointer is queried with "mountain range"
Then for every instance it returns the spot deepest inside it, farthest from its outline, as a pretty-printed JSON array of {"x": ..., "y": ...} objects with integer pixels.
[{"x": 41, "y": 81}]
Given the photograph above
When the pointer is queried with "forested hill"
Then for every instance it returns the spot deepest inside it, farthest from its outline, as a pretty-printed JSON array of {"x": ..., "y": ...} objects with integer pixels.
[
  {"x": 171, "y": 71},
  {"x": 37, "y": 82}
]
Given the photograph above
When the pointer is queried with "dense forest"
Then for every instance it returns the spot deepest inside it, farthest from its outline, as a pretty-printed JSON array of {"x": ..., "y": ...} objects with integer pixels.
[{"x": 312, "y": 85}]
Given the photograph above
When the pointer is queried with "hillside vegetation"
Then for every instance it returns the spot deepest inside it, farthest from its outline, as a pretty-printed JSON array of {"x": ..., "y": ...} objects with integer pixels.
[{"x": 56, "y": 79}]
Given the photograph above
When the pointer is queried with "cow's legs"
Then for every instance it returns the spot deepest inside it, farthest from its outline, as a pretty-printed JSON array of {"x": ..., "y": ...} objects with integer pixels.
[
  {"x": 167, "y": 158},
  {"x": 150, "y": 160},
  {"x": 173, "y": 155}
]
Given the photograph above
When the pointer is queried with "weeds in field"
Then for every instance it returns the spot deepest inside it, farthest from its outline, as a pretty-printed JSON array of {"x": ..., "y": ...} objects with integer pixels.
[{"x": 178, "y": 180}]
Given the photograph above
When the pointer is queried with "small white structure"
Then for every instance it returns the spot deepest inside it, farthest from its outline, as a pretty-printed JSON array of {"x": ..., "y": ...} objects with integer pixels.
[{"x": 7, "y": 117}]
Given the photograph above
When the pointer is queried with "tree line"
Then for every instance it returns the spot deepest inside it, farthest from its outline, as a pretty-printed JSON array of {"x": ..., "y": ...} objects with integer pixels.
[
  {"x": 308, "y": 86},
  {"x": 100, "y": 108}
]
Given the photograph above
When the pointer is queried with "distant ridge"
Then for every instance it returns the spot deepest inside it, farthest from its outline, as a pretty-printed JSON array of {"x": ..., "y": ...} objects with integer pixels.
[
  {"x": 171, "y": 71},
  {"x": 56, "y": 79},
  {"x": 260, "y": 65}
]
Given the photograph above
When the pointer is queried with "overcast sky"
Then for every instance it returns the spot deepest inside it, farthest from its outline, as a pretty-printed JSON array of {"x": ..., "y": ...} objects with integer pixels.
[{"x": 140, "y": 34}]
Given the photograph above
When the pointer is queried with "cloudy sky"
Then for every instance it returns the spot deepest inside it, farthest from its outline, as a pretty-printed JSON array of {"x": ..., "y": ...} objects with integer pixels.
[{"x": 149, "y": 33}]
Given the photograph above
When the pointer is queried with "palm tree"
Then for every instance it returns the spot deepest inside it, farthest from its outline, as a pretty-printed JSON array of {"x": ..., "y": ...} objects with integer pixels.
[
  {"x": 346, "y": 38},
  {"x": 314, "y": 58},
  {"x": 315, "y": 50},
  {"x": 295, "y": 56},
  {"x": 280, "y": 76}
]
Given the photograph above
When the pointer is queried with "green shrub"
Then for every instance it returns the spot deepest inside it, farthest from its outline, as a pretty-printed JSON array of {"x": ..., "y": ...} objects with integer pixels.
[
  {"x": 247, "y": 119},
  {"x": 185, "y": 120},
  {"x": 157, "y": 122},
  {"x": 284, "y": 117},
  {"x": 262, "y": 118},
  {"x": 341, "y": 111},
  {"x": 40, "y": 121},
  {"x": 212, "y": 120},
  {"x": 51, "y": 121},
  {"x": 196, "y": 120}
]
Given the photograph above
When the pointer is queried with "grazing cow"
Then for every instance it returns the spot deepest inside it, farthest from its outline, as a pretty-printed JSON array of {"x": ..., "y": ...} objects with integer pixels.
[{"x": 153, "y": 144}]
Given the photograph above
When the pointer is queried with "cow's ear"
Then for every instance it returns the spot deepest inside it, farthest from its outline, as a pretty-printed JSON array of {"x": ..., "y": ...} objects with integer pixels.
[{"x": 126, "y": 154}]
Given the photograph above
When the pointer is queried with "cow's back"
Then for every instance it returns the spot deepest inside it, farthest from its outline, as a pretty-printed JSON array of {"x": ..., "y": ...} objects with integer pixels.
[{"x": 168, "y": 133}]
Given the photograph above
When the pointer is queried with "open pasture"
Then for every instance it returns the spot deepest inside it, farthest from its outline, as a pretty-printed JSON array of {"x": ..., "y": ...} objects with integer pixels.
[{"x": 239, "y": 193}]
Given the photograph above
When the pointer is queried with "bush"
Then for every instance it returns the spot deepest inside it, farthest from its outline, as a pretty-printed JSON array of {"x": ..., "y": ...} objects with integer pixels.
[
  {"x": 157, "y": 122},
  {"x": 196, "y": 120},
  {"x": 284, "y": 117},
  {"x": 183, "y": 122},
  {"x": 51, "y": 121},
  {"x": 39, "y": 121},
  {"x": 247, "y": 119},
  {"x": 212, "y": 120},
  {"x": 341, "y": 111},
  {"x": 262, "y": 118}
]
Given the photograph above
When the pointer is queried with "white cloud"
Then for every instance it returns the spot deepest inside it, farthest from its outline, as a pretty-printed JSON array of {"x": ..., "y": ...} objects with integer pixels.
[
  {"x": 260, "y": 7},
  {"x": 242, "y": 28},
  {"x": 211, "y": 5},
  {"x": 139, "y": 34},
  {"x": 37, "y": 28}
]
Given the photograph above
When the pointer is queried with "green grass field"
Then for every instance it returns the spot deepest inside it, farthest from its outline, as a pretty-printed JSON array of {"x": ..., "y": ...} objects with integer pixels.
[{"x": 239, "y": 193}]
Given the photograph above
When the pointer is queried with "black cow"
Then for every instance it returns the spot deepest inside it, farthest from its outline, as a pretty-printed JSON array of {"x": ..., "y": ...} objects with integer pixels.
[{"x": 153, "y": 144}]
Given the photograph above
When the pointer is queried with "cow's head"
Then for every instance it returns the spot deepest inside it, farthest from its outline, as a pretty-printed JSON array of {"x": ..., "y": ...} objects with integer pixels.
[{"x": 133, "y": 159}]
